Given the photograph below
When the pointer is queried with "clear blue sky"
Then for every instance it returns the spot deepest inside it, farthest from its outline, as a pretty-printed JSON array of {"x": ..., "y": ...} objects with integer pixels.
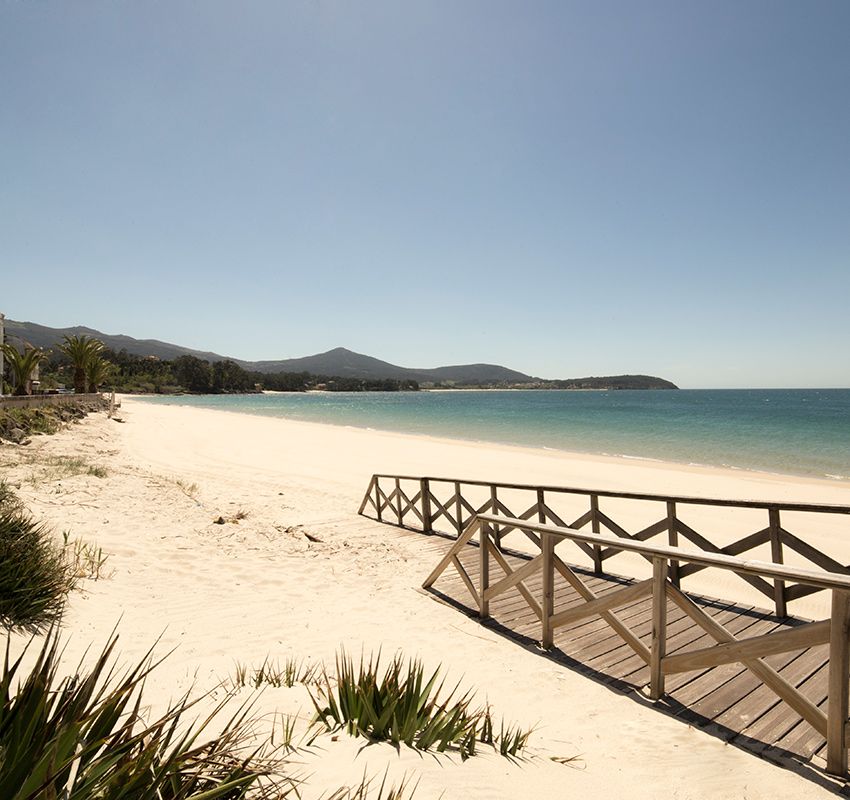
[{"x": 564, "y": 188}]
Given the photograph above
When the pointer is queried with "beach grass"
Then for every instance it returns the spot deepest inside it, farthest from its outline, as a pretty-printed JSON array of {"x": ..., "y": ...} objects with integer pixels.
[
  {"x": 85, "y": 559},
  {"x": 405, "y": 705},
  {"x": 280, "y": 673},
  {"x": 86, "y": 736}
]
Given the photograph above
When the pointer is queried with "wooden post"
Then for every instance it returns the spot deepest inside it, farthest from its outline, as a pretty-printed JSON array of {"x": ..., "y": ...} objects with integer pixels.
[
  {"x": 398, "y": 501},
  {"x": 659, "y": 627},
  {"x": 494, "y": 509},
  {"x": 594, "y": 526},
  {"x": 459, "y": 508},
  {"x": 378, "y": 498},
  {"x": 366, "y": 496},
  {"x": 425, "y": 494},
  {"x": 776, "y": 557},
  {"x": 839, "y": 680},
  {"x": 673, "y": 541},
  {"x": 547, "y": 543},
  {"x": 484, "y": 569}
]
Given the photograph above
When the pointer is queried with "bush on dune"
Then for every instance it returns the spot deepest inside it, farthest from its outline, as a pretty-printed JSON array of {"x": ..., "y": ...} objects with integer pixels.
[
  {"x": 34, "y": 575},
  {"x": 84, "y": 737}
]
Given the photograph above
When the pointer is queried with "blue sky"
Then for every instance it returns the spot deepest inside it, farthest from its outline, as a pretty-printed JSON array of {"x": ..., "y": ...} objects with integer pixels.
[{"x": 564, "y": 188}]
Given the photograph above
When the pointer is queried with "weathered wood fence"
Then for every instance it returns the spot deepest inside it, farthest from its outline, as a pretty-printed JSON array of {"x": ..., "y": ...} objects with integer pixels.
[
  {"x": 419, "y": 500},
  {"x": 426, "y": 501}
]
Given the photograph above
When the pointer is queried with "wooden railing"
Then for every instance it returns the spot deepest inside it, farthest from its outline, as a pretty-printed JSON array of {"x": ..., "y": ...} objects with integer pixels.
[
  {"x": 424, "y": 502},
  {"x": 832, "y": 724}
]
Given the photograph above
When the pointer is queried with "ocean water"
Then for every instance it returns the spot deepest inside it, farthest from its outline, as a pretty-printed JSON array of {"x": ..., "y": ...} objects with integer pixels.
[{"x": 796, "y": 431}]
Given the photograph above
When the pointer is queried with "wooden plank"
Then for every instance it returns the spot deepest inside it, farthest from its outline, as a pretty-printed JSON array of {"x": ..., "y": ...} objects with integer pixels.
[
  {"x": 777, "y": 723},
  {"x": 724, "y": 685},
  {"x": 839, "y": 683},
  {"x": 614, "y": 621},
  {"x": 484, "y": 569},
  {"x": 640, "y": 536},
  {"x": 673, "y": 541},
  {"x": 798, "y": 590},
  {"x": 746, "y": 711},
  {"x": 803, "y": 740},
  {"x": 814, "y": 716},
  {"x": 811, "y": 553},
  {"x": 442, "y": 510},
  {"x": 551, "y": 516},
  {"x": 398, "y": 496},
  {"x": 527, "y": 596},
  {"x": 613, "y": 600},
  {"x": 467, "y": 581},
  {"x": 596, "y": 553},
  {"x": 548, "y": 544},
  {"x": 777, "y": 558},
  {"x": 659, "y": 627},
  {"x": 368, "y": 496},
  {"x": 756, "y": 581},
  {"x": 757, "y": 647},
  {"x": 470, "y": 531},
  {"x": 425, "y": 494},
  {"x": 681, "y": 634},
  {"x": 511, "y": 580}
]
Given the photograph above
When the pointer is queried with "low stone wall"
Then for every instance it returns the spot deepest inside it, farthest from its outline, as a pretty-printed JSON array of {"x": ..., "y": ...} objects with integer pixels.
[{"x": 39, "y": 400}]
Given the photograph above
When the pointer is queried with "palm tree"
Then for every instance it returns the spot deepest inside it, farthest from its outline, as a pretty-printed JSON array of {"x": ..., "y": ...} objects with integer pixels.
[
  {"x": 81, "y": 350},
  {"x": 98, "y": 371},
  {"x": 22, "y": 365}
]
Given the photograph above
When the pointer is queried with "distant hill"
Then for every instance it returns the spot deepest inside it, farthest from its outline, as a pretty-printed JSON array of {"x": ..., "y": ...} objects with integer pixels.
[
  {"x": 338, "y": 362},
  {"x": 616, "y": 382},
  {"x": 350, "y": 364},
  {"x": 44, "y": 337}
]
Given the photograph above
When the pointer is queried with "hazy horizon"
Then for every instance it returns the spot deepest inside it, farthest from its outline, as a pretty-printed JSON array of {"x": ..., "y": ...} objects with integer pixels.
[{"x": 566, "y": 189}]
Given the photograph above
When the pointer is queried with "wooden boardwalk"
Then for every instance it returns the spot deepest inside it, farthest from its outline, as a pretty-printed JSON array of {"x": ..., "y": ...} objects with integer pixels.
[
  {"x": 728, "y": 701},
  {"x": 774, "y": 685}
]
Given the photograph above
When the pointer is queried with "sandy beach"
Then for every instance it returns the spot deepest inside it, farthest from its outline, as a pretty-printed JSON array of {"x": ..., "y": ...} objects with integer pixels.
[{"x": 257, "y": 586}]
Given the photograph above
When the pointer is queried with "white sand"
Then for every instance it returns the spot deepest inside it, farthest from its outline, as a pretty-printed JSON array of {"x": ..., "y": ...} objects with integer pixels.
[{"x": 258, "y": 587}]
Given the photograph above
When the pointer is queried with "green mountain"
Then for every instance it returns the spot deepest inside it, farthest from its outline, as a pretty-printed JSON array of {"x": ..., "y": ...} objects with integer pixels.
[{"x": 337, "y": 362}]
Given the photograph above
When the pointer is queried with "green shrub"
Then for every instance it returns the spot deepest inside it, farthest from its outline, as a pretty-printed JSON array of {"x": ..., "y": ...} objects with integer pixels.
[
  {"x": 34, "y": 575},
  {"x": 402, "y": 706},
  {"x": 84, "y": 737}
]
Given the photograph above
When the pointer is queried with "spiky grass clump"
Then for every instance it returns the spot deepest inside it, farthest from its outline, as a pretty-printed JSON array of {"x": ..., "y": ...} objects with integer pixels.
[
  {"x": 35, "y": 577},
  {"x": 286, "y": 673},
  {"x": 84, "y": 737},
  {"x": 403, "y": 706}
]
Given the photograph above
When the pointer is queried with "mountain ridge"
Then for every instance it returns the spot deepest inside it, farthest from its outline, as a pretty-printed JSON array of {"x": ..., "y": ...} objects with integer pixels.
[{"x": 337, "y": 362}]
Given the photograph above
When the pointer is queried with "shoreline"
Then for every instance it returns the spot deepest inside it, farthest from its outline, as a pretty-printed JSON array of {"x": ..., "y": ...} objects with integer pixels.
[{"x": 619, "y": 458}]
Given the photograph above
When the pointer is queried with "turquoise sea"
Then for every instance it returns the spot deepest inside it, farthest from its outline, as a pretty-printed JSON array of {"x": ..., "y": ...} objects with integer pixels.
[{"x": 797, "y": 431}]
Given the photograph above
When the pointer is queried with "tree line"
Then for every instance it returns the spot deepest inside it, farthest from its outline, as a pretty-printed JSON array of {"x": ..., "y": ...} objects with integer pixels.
[{"x": 86, "y": 364}]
